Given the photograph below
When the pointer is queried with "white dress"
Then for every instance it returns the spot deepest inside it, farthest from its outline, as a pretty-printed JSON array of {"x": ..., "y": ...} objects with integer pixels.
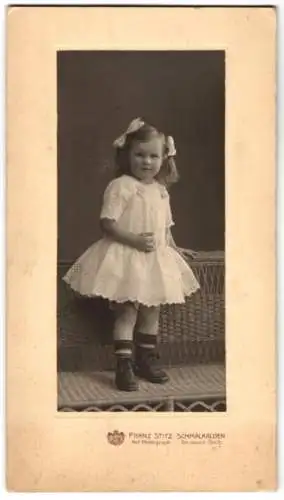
[{"x": 120, "y": 273}]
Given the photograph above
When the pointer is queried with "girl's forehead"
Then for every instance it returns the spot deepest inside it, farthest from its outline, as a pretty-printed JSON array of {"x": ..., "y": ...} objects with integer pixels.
[{"x": 152, "y": 144}]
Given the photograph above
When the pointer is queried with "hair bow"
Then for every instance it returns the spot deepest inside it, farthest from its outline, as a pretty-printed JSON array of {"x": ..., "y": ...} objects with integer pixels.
[
  {"x": 135, "y": 125},
  {"x": 171, "y": 146}
]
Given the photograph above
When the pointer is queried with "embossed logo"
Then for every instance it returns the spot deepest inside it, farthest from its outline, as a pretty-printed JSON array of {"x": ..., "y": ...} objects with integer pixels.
[{"x": 116, "y": 438}]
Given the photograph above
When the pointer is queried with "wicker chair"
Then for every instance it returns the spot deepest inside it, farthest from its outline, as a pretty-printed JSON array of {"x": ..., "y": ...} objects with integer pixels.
[{"x": 190, "y": 334}]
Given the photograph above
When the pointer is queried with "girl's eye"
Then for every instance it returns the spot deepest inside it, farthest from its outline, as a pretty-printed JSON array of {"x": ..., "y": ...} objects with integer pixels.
[{"x": 141, "y": 155}]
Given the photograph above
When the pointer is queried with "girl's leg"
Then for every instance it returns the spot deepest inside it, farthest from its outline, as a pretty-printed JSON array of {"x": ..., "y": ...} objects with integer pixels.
[
  {"x": 146, "y": 339},
  {"x": 147, "y": 326},
  {"x": 125, "y": 319},
  {"x": 124, "y": 324}
]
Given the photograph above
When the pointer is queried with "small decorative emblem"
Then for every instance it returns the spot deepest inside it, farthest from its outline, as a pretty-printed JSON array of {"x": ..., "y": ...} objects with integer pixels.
[
  {"x": 116, "y": 438},
  {"x": 140, "y": 190}
]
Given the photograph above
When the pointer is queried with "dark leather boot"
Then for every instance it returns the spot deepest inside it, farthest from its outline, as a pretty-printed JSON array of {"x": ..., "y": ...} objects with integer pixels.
[
  {"x": 125, "y": 379},
  {"x": 146, "y": 366}
]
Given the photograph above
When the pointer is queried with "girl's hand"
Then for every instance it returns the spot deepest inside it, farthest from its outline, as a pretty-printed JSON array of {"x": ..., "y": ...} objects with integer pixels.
[
  {"x": 145, "y": 242},
  {"x": 187, "y": 253}
]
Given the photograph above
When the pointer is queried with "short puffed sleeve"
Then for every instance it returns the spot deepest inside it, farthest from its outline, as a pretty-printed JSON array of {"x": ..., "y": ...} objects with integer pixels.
[{"x": 115, "y": 199}]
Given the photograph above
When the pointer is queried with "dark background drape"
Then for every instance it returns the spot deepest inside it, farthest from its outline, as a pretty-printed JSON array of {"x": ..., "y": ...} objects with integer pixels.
[{"x": 183, "y": 94}]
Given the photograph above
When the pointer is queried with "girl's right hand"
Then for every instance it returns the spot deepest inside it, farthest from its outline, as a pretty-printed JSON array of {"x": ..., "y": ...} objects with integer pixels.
[{"x": 145, "y": 242}]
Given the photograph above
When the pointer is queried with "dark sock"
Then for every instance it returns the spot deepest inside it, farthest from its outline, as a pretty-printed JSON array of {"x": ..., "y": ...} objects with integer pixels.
[
  {"x": 123, "y": 348},
  {"x": 146, "y": 340}
]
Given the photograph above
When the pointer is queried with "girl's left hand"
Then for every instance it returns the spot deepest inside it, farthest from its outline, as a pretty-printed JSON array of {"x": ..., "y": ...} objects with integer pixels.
[{"x": 187, "y": 253}]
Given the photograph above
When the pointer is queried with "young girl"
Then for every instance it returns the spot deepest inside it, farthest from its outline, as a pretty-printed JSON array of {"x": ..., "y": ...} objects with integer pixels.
[{"x": 136, "y": 265}]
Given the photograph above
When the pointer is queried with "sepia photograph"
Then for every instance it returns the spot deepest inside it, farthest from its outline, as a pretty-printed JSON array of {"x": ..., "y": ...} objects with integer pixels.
[
  {"x": 141, "y": 231},
  {"x": 141, "y": 284}
]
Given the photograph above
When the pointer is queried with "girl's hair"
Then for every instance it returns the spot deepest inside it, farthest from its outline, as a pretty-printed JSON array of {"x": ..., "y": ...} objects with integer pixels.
[{"x": 168, "y": 173}]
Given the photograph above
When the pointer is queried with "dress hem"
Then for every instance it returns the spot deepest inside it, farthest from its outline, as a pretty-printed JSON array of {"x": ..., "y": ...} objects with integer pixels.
[{"x": 135, "y": 300}]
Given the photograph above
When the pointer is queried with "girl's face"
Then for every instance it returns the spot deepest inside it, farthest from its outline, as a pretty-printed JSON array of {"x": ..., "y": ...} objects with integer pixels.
[{"x": 146, "y": 159}]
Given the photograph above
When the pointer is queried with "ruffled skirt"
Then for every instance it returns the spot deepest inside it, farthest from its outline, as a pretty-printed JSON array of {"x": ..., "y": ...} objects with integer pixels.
[{"x": 120, "y": 273}]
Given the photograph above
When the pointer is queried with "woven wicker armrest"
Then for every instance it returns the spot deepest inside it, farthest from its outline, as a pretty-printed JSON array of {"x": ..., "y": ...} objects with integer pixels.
[{"x": 215, "y": 255}]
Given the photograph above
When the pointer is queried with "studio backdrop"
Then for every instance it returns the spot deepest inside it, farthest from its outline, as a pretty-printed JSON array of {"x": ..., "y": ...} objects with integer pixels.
[{"x": 181, "y": 93}]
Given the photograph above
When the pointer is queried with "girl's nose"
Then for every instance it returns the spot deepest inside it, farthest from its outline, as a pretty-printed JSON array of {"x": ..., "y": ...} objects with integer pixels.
[{"x": 147, "y": 160}]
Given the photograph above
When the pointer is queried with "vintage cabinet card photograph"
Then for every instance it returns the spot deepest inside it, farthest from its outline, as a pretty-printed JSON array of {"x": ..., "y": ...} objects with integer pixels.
[{"x": 141, "y": 301}]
